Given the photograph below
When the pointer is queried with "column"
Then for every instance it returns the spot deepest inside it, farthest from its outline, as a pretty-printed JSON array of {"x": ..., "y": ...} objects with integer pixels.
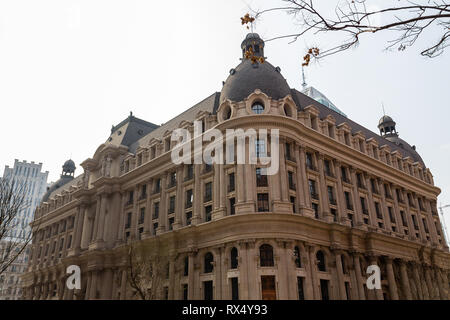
[
  {"x": 356, "y": 201},
  {"x": 304, "y": 254},
  {"x": 371, "y": 204},
  {"x": 107, "y": 284},
  {"x": 243, "y": 271},
  {"x": 162, "y": 206},
  {"x": 378, "y": 292},
  {"x": 191, "y": 270},
  {"x": 398, "y": 217},
  {"x": 312, "y": 265},
  {"x": 342, "y": 209},
  {"x": 340, "y": 276},
  {"x": 196, "y": 215},
  {"x": 405, "y": 280},
  {"x": 123, "y": 285},
  {"x": 359, "y": 278},
  {"x": 391, "y": 278},
  {"x": 79, "y": 229},
  {"x": 179, "y": 207},
  {"x": 93, "y": 289},
  {"x": 304, "y": 180},
  {"x": 384, "y": 210},
  {"x": 300, "y": 186},
  {"x": 325, "y": 206},
  {"x": 172, "y": 273}
]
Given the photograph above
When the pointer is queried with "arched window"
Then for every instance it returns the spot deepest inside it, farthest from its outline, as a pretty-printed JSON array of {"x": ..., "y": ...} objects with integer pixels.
[
  {"x": 234, "y": 258},
  {"x": 266, "y": 255},
  {"x": 258, "y": 107},
  {"x": 226, "y": 113},
  {"x": 208, "y": 262},
  {"x": 287, "y": 110},
  {"x": 320, "y": 261},
  {"x": 298, "y": 262}
]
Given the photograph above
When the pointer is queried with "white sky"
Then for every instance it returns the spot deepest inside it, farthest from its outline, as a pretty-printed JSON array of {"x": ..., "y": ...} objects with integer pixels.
[{"x": 71, "y": 69}]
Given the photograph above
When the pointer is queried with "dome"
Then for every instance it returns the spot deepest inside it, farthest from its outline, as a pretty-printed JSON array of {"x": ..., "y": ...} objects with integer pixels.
[
  {"x": 69, "y": 166},
  {"x": 385, "y": 119},
  {"x": 247, "y": 77}
]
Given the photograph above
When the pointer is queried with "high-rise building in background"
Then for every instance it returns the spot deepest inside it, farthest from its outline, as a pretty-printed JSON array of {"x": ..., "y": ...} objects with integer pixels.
[{"x": 27, "y": 176}]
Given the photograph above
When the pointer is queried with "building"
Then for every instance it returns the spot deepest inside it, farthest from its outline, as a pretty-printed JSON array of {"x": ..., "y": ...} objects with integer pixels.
[
  {"x": 343, "y": 198},
  {"x": 30, "y": 177}
]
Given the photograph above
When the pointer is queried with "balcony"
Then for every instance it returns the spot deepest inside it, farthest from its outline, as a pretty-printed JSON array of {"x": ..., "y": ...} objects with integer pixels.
[
  {"x": 292, "y": 186},
  {"x": 314, "y": 196},
  {"x": 329, "y": 174},
  {"x": 311, "y": 167},
  {"x": 143, "y": 196},
  {"x": 365, "y": 211},
  {"x": 349, "y": 206},
  {"x": 333, "y": 202}
]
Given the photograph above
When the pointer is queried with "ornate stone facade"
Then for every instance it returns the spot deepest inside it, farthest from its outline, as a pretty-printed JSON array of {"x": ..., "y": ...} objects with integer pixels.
[{"x": 343, "y": 199}]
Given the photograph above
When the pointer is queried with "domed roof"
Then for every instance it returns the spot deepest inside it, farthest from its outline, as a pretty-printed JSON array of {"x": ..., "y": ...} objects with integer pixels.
[
  {"x": 69, "y": 166},
  {"x": 385, "y": 119},
  {"x": 248, "y": 76}
]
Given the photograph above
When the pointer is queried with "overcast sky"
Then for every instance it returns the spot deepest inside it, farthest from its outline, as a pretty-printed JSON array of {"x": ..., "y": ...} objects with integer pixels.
[{"x": 71, "y": 69}]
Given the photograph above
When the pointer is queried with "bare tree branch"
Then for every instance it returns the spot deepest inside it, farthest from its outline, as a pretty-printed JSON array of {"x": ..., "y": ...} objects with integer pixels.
[{"x": 352, "y": 18}]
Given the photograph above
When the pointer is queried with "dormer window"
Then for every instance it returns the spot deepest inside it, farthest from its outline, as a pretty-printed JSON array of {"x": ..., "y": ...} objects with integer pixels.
[{"x": 258, "y": 108}]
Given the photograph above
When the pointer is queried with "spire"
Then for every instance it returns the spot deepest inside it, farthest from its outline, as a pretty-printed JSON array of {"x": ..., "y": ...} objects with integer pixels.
[{"x": 304, "y": 85}]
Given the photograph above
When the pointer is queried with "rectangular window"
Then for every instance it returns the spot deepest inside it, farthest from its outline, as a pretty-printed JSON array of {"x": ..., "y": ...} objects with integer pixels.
[
  {"x": 373, "y": 185},
  {"x": 391, "y": 215},
  {"x": 363, "y": 205},
  {"x": 348, "y": 201},
  {"x": 155, "y": 210},
  {"x": 260, "y": 146},
  {"x": 232, "y": 203},
  {"x": 172, "y": 179},
  {"x": 208, "y": 210},
  {"x": 291, "y": 180},
  {"x": 327, "y": 166},
  {"x": 324, "y": 289},
  {"x": 189, "y": 172},
  {"x": 208, "y": 192},
  {"x": 208, "y": 290},
  {"x": 143, "y": 192},
  {"x": 263, "y": 202},
  {"x": 344, "y": 174},
  {"x": 231, "y": 186},
  {"x": 312, "y": 189},
  {"x": 261, "y": 180},
  {"x": 141, "y": 231},
  {"x": 300, "y": 290},
  {"x": 378, "y": 211},
  {"x": 128, "y": 223},
  {"x": 425, "y": 226},
  {"x": 171, "y": 221},
  {"x": 234, "y": 288},
  {"x": 331, "y": 195},
  {"x": 309, "y": 161},
  {"x": 188, "y": 218},
  {"x": 158, "y": 186},
  {"x": 288, "y": 151},
  {"x": 171, "y": 204},
  {"x": 189, "y": 198},
  {"x": 155, "y": 228},
  {"x": 402, "y": 214},
  {"x": 142, "y": 216},
  {"x": 334, "y": 214},
  {"x": 315, "y": 207},
  {"x": 292, "y": 199}
]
